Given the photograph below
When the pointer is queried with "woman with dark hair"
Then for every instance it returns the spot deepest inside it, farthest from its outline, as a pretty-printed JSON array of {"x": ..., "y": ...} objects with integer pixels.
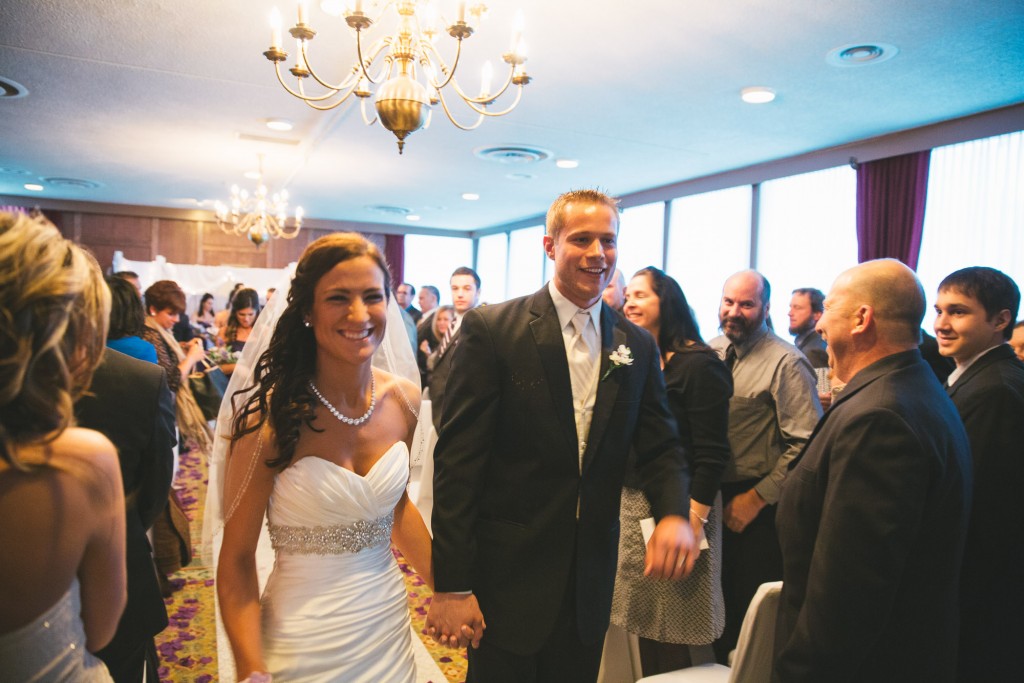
[
  {"x": 320, "y": 445},
  {"x": 245, "y": 308},
  {"x": 62, "y": 521},
  {"x": 677, "y": 621},
  {"x": 128, "y": 321},
  {"x": 205, "y": 313}
]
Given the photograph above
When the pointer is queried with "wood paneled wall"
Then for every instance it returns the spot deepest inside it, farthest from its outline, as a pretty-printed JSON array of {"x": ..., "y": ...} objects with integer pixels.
[{"x": 143, "y": 238}]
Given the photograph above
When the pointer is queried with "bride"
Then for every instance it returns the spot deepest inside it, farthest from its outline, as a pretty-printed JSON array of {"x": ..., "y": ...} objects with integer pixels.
[{"x": 320, "y": 445}]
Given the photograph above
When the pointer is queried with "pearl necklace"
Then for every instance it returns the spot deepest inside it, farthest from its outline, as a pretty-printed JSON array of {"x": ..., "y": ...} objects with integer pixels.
[{"x": 354, "y": 421}]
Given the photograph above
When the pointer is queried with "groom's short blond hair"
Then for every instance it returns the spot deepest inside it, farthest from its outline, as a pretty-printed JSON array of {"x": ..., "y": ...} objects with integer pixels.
[{"x": 556, "y": 214}]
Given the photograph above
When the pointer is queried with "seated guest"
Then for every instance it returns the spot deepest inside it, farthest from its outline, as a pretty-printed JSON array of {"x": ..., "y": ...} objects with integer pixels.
[
  {"x": 221, "y": 317},
  {"x": 128, "y": 321},
  {"x": 975, "y": 311},
  {"x": 677, "y": 622},
  {"x": 873, "y": 513},
  {"x": 62, "y": 524}
]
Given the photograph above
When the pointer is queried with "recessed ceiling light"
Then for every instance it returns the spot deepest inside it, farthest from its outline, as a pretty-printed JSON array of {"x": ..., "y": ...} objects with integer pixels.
[
  {"x": 757, "y": 95},
  {"x": 412, "y": 217},
  {"x": 283, "y": 125},
  {"x": 10, "y": 89},
  {"x": 470, "y": 196},
  {"x": 861, "y": 54},
  {"x": 567, "y": 163},
  {"x": 33, "y": 187}
]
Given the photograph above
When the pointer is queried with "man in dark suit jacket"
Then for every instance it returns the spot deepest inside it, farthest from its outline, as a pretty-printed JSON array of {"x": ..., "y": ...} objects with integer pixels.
[
  {"x": 129, "y": 402},
  {"x": 805, "y": 309},
  {"x": 975, "y": 310},
  {"x": 527, "y": 485},
  {"x": 873, "y": 513},
  {"x": 465, "y": 285}
]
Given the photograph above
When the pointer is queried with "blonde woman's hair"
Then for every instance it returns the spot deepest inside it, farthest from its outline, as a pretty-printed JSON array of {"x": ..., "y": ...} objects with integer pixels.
[{"x": 54, "y": 311}]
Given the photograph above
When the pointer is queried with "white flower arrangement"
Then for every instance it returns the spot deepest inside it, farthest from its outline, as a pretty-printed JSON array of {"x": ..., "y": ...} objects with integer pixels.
[{"x": 619, "y": 357}]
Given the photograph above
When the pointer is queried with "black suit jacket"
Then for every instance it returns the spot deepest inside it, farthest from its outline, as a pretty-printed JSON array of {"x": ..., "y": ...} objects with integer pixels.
[
  {"x": 438, "y": 378},
  {"x": 990, "y": 399},
  {"x": 813, "y": 346},
  {"x": 507, "y": 477},
  {"x": 129, "y": 402},
  {"x": 872, "y": 521}
]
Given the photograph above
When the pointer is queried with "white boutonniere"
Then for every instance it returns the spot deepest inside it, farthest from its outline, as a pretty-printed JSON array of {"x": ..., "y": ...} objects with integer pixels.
[{"x": 619, "y": 357}]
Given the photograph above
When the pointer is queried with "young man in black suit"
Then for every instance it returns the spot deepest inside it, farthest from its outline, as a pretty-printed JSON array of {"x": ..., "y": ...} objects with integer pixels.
[
  {"x": 975, "y": 311},
  {"x": 548, "y": 395},
  {"x": 873, "y": 513},
  {"x": 129, "y": 402}
]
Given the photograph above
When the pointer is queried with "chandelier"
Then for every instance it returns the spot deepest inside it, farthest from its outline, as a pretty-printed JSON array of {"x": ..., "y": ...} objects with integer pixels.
[
  {"x": 404, "y": 96},
  {"x": 258, "y": 216}
]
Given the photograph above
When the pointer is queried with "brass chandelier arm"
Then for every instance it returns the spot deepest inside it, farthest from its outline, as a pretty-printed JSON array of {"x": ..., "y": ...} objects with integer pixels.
[
  {"x": 375, "y": 51},
  {"x": 451, "y": 117},
  {"x": 362, "y": 110},
  {"x": 488, "y": 97},
  {"x": 347, "y": 83},
  {"x": 484, "y": 112},
  {"x": 307, "y": 98},
  {"x": 425, "y": 59}
]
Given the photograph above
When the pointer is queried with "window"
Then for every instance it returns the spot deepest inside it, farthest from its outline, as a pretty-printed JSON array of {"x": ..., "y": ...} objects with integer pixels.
[
  {"x": 641, "y": 240},
  {"x": 430, "y": 261},
  {"x": 526, "y": 259},
  {"x": 709, "y": 240},
  {"x": 492, "y": 266},
  {"x": 807, "y": 234},
  {"x": 974, "y": 211}
]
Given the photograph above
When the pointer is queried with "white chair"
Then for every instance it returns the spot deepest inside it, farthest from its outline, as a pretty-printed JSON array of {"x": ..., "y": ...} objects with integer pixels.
[{"x": 752, "y": 658}]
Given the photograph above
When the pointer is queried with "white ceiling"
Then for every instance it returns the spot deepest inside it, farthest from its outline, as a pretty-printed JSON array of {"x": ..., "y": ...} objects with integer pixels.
[{"x": 147, "y": 98}]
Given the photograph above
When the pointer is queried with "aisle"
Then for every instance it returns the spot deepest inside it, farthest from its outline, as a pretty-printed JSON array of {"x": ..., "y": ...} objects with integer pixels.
[{"x": 188, "y": 647}]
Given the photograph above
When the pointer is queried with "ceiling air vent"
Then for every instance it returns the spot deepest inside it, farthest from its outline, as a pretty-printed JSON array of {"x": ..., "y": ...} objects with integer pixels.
[
  {"x": 76, "y": 183},
  {"x": 861, "y": 54},
  {"x": 389, "y": 210},
  {"x": 512, "y": 154}
]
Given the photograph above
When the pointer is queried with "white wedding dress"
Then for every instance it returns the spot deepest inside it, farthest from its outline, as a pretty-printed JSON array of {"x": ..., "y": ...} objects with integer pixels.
[{"x": 335, "y": 606}]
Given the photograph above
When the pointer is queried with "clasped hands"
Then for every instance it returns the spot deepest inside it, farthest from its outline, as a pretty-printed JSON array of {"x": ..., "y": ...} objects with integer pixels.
[
  {"x": 672, "y": 550},
  {"x": 455, "y": 620}
]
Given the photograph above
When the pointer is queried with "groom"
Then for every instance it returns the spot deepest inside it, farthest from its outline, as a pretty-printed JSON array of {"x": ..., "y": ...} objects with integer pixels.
[{"x": 536, "y": 428}]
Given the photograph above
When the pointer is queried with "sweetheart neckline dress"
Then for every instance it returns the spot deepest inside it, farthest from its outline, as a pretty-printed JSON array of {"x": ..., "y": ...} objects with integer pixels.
[{"x": 335, "y": 606}]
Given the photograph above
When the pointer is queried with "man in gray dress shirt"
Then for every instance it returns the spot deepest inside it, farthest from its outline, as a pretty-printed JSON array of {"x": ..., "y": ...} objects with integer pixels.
[{"x": 772, "y": 413}]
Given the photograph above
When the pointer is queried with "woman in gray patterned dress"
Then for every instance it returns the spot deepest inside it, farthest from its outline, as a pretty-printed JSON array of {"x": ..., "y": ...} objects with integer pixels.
[{"x": 672, "y": 618}]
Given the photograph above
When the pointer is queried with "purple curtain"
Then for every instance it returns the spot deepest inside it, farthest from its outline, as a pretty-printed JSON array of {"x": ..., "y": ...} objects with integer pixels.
[
  {"x": 890, "y": 207},
  {"x": 394, "y": 253}
]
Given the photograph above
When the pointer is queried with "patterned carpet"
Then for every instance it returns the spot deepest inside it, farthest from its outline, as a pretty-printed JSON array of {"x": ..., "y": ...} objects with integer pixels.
[{"x": 188, "y": 647}]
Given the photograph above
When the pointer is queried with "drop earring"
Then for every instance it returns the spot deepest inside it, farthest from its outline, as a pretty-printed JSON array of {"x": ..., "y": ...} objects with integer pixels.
[{"x": 307, "y": 323}]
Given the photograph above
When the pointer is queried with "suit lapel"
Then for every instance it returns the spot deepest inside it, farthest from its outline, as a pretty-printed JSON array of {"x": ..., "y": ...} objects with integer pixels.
[
  {"x": 547, "y": 334},
  {"x": 996, "y": 354},
  {"x": 612, "y": 336}
]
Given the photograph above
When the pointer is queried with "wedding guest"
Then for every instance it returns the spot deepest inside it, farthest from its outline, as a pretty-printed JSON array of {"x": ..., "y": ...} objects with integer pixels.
[
  {"x": 245, "y": 307},
  {"x": 404, "y": 294},
  {"x": 874, "y": 511},
  {"x": 974, "y": 313},
  {"x": 128, "y": 321},
  {"x": 429, "y": 299},
  {"x": 465, "y": 286},
  {"x": 62, "y": 522},
  {"x": 615, "y": 293},
  {"x": 129, "y": 403},
  {"x": 441, "y": 321},
  {"x": 131, "y": 277},
  {"x": 677, "y": 622},
  {"x": 204, "y": 314},
  {"x": 805, "y": 309},
  {"x": 1017, "y": 340},
  {"x": 221, "y": 317},
  {"x": 531, "y": 458},
  {"x": 772, "y": 412}
]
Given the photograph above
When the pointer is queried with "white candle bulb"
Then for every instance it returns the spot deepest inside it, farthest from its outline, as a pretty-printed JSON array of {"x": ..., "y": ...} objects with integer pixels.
[{"x": 275, "y": 29}]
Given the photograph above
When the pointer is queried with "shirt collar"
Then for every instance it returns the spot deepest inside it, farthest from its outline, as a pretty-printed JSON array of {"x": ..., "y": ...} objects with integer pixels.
[
  {"x": 961, "y": 369},
  {"x": 566, "y": 309},
  {"x": 744, "y": 347}
]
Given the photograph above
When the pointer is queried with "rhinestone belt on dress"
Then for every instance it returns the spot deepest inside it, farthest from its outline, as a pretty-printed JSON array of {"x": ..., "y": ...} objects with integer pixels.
[{"x": 331, "y": 540}]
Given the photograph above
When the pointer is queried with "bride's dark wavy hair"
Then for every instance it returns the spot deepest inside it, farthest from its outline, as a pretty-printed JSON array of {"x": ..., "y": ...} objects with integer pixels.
[{"x": 282, "y": 373}]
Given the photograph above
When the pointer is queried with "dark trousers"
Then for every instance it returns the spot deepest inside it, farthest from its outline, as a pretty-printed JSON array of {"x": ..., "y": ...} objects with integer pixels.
[
  {"x": 748, "y": 560},
  {"x": 125, "y": 663},
  {"x": 564, "y": 658}
]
